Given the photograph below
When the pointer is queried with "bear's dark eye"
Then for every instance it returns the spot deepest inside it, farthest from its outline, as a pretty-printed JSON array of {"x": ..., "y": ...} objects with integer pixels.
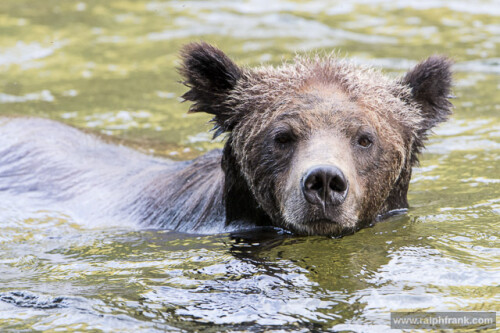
[
  {"x": 284, "y": 138},
  {"x": 364, "y": 141}
]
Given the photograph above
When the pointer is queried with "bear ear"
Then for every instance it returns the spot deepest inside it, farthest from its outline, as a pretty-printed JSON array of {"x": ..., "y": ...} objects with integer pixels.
[
  {"x": 430, "y": 82},
  {"x": 211, "y": 76}
]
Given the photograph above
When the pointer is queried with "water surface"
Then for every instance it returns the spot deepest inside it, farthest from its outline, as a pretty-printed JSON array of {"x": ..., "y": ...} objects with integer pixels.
[{"x": 109, "y": 68}]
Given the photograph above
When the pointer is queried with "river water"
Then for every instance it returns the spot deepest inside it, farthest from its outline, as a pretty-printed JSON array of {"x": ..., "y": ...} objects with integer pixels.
[{"x": 109, "y": 68}]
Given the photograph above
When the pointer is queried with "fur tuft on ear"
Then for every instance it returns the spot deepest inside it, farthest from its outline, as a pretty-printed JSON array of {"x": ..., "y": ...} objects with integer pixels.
[
  {"x": 430, "y": 82},
  {"x": 210, "y": 75}
]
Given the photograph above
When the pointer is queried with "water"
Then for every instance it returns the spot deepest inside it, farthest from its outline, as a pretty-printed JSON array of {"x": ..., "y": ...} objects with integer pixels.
[{"x": 109, "y": 68}]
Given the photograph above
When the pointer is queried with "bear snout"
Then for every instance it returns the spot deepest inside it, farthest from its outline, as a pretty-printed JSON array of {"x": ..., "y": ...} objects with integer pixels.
[{"x": 325, "y": 186}]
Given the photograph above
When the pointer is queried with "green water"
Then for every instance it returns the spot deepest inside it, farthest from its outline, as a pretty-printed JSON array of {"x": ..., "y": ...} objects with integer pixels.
[{"x": 109, "y": 67}]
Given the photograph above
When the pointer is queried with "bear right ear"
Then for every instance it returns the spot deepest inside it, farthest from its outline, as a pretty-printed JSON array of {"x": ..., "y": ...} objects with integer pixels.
[
  {"x": 211, "y": 76},
  {"x": 430, "y": 83}
]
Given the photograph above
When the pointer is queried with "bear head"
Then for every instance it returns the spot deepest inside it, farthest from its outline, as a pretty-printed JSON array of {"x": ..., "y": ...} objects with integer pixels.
[{"x": 320, "y": 145}]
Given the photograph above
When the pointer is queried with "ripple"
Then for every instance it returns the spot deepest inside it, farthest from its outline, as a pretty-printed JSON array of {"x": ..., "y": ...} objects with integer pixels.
[
  {"x": 27, "y": 299},
  {"x": 270, "y": 26},
  {"x": 433, "y": 270},
  {"x": 44, "y": 96},
  {"x": 489, "y": 66},
  {"x": 23, "y": 53}
]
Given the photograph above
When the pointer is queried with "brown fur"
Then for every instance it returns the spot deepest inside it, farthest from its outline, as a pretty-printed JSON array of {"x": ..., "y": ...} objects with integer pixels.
[
  {"x": 326, "y": 97},
  {"x": 281, "y": 122}
]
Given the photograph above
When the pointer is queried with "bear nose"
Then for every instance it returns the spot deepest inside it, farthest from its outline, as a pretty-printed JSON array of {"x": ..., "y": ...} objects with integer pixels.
[{"x": 324, "y": 185}]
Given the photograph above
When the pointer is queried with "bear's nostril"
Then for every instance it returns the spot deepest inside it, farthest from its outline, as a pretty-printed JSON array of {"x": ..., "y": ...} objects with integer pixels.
[
  {"x": 338, "y": 184},
  {"x": 315, "y": 184},
  {"x": 324, "y": 185}
]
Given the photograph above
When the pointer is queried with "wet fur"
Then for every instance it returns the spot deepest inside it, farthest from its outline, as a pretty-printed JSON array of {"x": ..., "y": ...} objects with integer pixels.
[
  {"x": 48, "y": 164},
  {"x": 244, "y": 184},
  {"x": 402, "y": 112}
]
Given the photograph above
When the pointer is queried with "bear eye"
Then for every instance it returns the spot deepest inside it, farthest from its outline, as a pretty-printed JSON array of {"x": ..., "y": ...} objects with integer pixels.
[
  {"x": 364, "y": 141},
  {"x": 284, "y": 138}
]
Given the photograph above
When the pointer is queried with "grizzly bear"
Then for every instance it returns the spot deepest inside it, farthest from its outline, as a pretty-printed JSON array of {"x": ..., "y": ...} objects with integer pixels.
[{"x": 318, "y": 146}]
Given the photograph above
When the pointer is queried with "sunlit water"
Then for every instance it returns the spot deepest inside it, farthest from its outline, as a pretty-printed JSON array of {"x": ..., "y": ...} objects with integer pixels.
[{"x": 109, "y": 67}]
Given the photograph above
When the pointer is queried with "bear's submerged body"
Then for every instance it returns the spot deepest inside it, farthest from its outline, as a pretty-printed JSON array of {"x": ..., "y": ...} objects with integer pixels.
[
  {"x": 51, "y": 164},
  {"x": 320, "y": 146}
]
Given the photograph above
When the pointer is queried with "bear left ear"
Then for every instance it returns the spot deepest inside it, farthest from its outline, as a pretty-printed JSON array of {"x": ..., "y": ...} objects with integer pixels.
[
  {"x": 430, "y": 82},
  {"x": 211, "y": 76}
]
